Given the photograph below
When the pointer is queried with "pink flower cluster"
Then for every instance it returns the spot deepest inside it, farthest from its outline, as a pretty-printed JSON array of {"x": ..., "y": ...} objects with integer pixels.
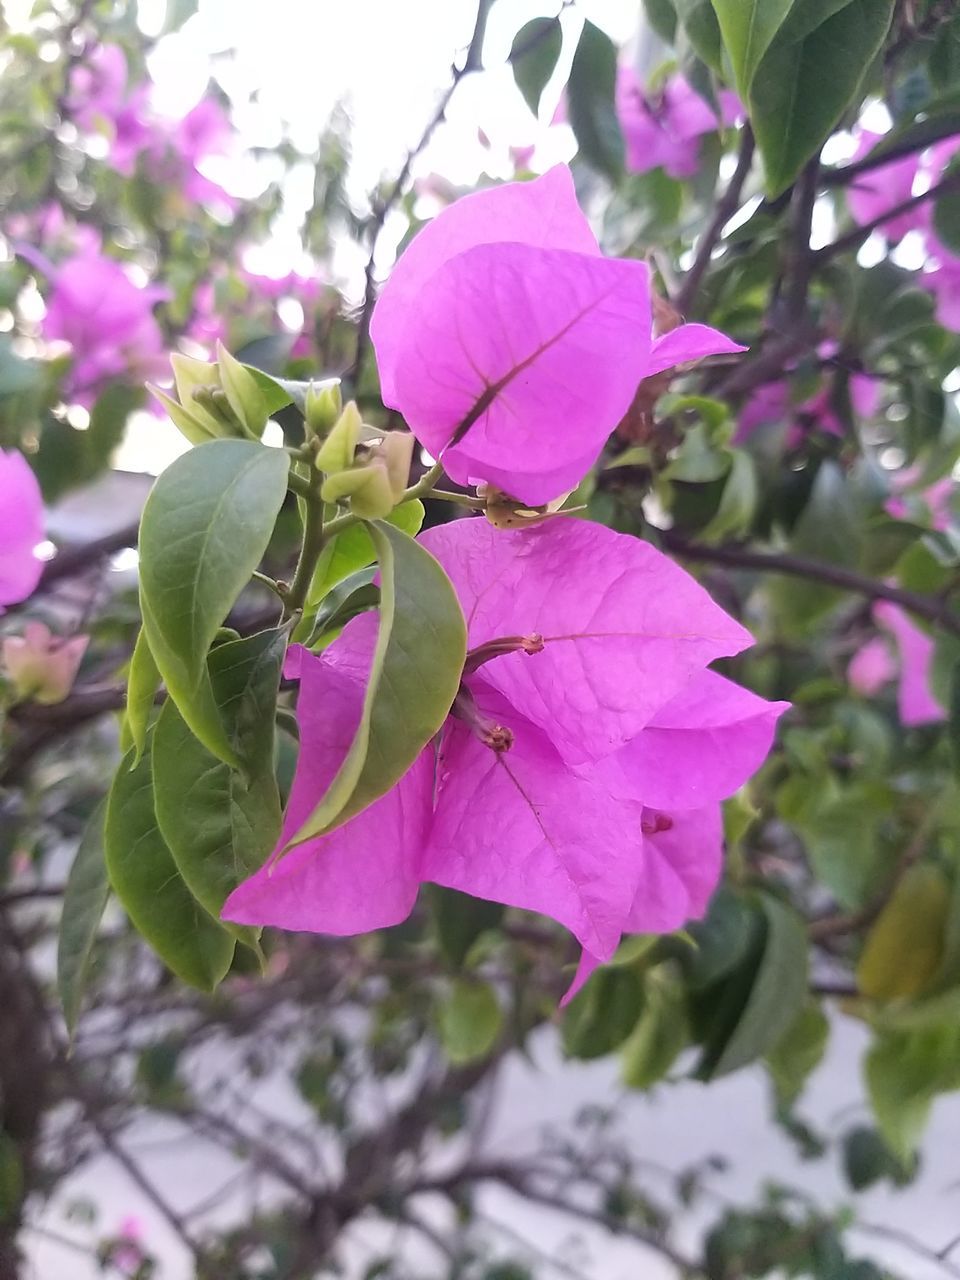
[
  {"x": 773, "y": 403},
  {"x": 665, "y": 129},
  {"x": 21, "y": 529},
  {"x": 581, "y": 769},
  {"x": 875, "y": 665},
  {"x": 102, "y": 100}
]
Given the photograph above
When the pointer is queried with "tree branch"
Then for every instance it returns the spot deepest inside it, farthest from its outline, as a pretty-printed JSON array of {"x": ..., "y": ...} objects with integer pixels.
[
  {"x": 739, "y": 557},
  {"x": 728, "y": 204},
  {"x": 472, "y": 62},
  {"x": 853, "y": 239}
]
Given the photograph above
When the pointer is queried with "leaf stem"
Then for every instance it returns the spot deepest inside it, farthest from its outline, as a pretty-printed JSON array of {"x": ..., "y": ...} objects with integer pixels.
[{"x": 314, "y": 537}]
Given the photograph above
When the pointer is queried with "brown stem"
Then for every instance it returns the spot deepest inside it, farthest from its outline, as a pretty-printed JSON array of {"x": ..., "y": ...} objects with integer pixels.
[{"x": 727, "y": 206}]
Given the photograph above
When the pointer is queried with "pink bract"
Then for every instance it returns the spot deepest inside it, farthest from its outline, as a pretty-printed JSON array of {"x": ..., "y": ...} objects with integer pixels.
[
  {"x": 561, "y": 822},
  {"x": 872, "y": 193},
  {"x": 512, "y": 346},
  {"x": 21, "y": 528},
  {"x": 664, "y": 130}
]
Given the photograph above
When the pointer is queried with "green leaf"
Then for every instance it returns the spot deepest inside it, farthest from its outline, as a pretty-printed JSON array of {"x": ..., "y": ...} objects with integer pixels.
[
  {"x": 413, "y": 679},
  {"x": 354, "y": 595},
  {"x": 798, "y": 1053},
  {"x": 244, "y": 391},
  {"x": 661, "y": 1034},
  {"x": 601, "y": 1016},
  {"x": 353, "y": 549},
  {"x": 533, "y": 57},
  {"x": 804, "y": 83},
  {"x": 829, "y": 530},
  {"x": 721, "y": 941},
  {"x": 145, "y": 878},
  {"x": 868, "y": 1160},
  {"x": 905, "y": 1071},
  {"x": 904, "y": 949},
  {"x": 739, "y": 499},
  {"x": 748, "y": 27},
  {"x": 143, "y": 681},
  {"x": 469, "y": 1020},
  {"x": 662, "y": 16},
  {"x": 205, "y": 527},
  {"x": 703, "y": 31},
  {"x": 220, "y": 824},
  {"x": 762, "y": 999},
  {"x": 590, "y": 101},
  {"x": 459, "y": 920},
  {"x": 84, "y": 899}
]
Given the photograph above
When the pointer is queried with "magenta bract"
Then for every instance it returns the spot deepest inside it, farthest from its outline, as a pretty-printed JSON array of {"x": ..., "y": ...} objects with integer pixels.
[{"x": 21, "y": 528}]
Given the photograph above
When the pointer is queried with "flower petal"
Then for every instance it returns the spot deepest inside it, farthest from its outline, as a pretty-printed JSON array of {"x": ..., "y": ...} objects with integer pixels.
[
  {"x": 915, "y": 699},
  {"x": 689, "y": 342},
  {"x": 624, "y": 627},
  {"x": 363, "y": 876},
  {"x": 522, "y": 828},
  {"x": 544, "y": 213},
  {"x": 539, "y": 350},
  {"x": 21, "y": 528},
  {"x": 704, "y": 744}
]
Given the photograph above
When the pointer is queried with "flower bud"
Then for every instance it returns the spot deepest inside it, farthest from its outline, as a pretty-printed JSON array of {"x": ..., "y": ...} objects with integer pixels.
[
  {"x": 41, "y": 666},
  {"x": 323, "y": 407},
  {"x": 336, "y": 453},
  {"x": 396, "y": 449},
  {"x": 244, "y": 396},
  {"x": 368, "y": 487}
]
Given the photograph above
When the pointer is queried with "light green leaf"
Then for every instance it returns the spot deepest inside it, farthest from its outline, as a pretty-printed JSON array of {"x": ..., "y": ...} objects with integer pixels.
[
  {"x": 747, "y": 27},
  {"x": 220, "y": 824},
  {"x": 145, "y": 878},
  {"x": 414, "y": 677},
  {"x": 662, "y": 1033},
  {"x": 760, "y": 1001},
  {"x": 143, "y": 681},
  {"x": 905, "y": 947},
  {"x": 905, "y": 1071},
  {"x": 533, "y": 57},
  {"x": 798, "y": 1053},
  {"x": 804, "y": 83},
  {"x": 590, "y": 102},
  {"x": 205, "y": 527},
  {"x": 84, "y": 899},
  {"x": 469, "y": 1020},
  {"x": 353, "y": 550}
]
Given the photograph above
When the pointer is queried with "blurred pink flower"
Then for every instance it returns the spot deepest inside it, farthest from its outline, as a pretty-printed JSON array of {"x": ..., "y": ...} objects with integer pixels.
[
  {"x": 581, "y": 771},
  {"x": 931, "y": 504},
  {"x": 872, "y": 193},
  {"x": 42, "y": 667},
  {"x": 664, "y": 130},
  {"x": 874, "y": 665},
  {"x": 21, "y": 528},
  {"x": 108, "y": 322}
]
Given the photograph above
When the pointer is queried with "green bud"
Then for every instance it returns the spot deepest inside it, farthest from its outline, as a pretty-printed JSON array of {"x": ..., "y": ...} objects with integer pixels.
[
  {"x": 190, "y": 376},
  {"x": 340, "y": 445},
  {"x": 192, "y": 425},
  {"x": 247, "y": 402},
  {"x": 323, "y": 407},
  {"x": 369, "y": 490},
  {"x": 397, "y": 453}
]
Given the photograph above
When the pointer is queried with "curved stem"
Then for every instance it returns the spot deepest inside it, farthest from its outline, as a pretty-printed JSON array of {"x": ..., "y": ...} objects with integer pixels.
[{"x": 314, "y": 536}]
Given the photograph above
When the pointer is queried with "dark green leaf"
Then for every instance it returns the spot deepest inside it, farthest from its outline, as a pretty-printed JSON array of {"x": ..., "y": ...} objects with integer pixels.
[
  {"x": 661, "y": 1034},
  {"x": 460, "y": 920},
  {"x": 748, "y": 27},
  {"x": 533, "y": 56},
  {"x": 798, "y": 1052},
  {"x": 601, "y": 1016},
  {"x": 354, "y": 595},
  {"x": 703, "y": 31},
  {"x": 205, "y": 528},
  {"x": 145, "y": 878},
  {"x": 469, "y": 1020},
  {"x": 414, "y": 677},
  {"x": 219, "y": 823},
  {"x": 804, "y": 83},
  {"x": 590, "y": 100},
  {"x": 84, "y": 899},
  {"x": 662, "y": 16},
  {"x": 946, "y": 214}
]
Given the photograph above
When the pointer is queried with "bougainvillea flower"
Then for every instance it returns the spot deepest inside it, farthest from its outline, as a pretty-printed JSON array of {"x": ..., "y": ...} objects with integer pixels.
[
  {"x": 178, "y": 148},
  {"x": 943, "y": 281},
  {"x": 664, "y": 130},
  {"x": 931, "y": 505},
  {"x": 874, "y": 666},
  {"x": 537, "y": 792},
  {"x": 512, "y": 346},
  {"x": 40, "y": 666},
  {"x": 872, "y": 193},
  {"x": 21, "y": 528},
  {"x": 107, "y": 320},
  {"x": 771, "y": 403}
]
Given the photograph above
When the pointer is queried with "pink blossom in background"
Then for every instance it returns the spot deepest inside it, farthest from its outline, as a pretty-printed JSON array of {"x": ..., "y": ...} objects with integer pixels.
[
  {"x": 873, "y": 666},
  {"x": 771, "y": 404},
  {"x": 935, "y": 499},
  {"x": 178, "y": 148},
  {"x": 98, "y": 88},
  {"x": 511, "y": 346},
  {"x": 127, "y": 1252},
  {"x": 42, "y": 667},
  {"x": 21, "y": 528},
  {"x": 872, "y": 193},
  {"x": 108, "y": 321},
  {"x": 664, "y": 130},
  {"x": 581, "y": 778},
  {"x": 943, "y": 281}
]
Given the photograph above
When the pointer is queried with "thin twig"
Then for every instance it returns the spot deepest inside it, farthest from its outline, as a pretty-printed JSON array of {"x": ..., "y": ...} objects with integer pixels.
[
  {"x": 472, "y": 62},
  {"x": 853, "y": 239},
  {"x": 739, "y": 557},
  {"x": 727, "y": 206}
]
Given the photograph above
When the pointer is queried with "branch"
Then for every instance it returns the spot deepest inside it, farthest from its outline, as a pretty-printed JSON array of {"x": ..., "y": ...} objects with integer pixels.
[
  {"x": 738, "y": 557},
  {"x": 726, "y": 208},
  {"x": 472, "y": 62},
  {"x": 853, "y": 239},
  {"x": 935, "y": 132},
  {"x": 76, "y": 559}
]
